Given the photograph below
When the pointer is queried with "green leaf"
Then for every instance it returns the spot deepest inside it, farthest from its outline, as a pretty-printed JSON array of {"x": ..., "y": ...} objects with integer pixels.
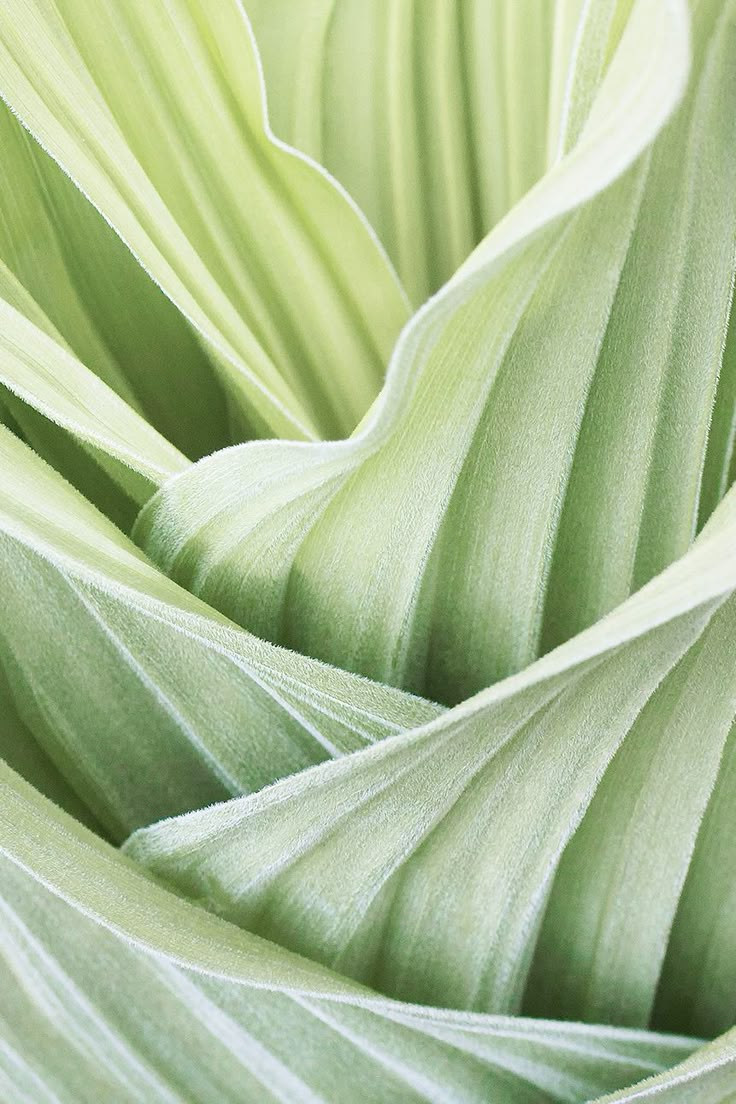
[
  {"x": 705, "y": 1078},
  {"x": 257, "y": 246},
  {"x": 616, "y": 892},
  {"x": 155, "y": 676},
  {"x": 139, "y": 995},
  {"x": 433, "y": 115},
  {"x": 380, "y": 864},
  {"x": 330, "y": 887},
  {"x": 699, "y": 975},
  {"x": 21, "y": 751},
  {"x": 720, "y": 460},
  {"x": 441, "y": 548},
  {"x": 90, "y": 289},
  {"x": 37, "y": 366}
]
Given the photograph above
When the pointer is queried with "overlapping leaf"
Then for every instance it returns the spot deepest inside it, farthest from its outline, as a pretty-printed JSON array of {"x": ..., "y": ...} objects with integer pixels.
[
  {"x": 433, "y": 115},
  {"x": 245, "y": 1019},
  {"x": 556, "y": 426},
  {"x": 83, "y": 284},
  {"x": 698, "y": 984},
  {"x": 464, "y": 531},
  {"x": 256, "y": 245},
  {"x": 381, "y": 864},
  {"x": 154, "y": 676},
  {"x": 114, "y": 455}
]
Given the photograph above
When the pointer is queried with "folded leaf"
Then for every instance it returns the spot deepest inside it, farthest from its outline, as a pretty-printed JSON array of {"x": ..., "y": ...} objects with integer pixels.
[
  {"x": 699, "y": 974},
  {"x": 328, "y": 885},
  {"x": 21, "y": 751},
  {"x": 720, "y": 460},
  {"x": 139, "y": 995},
  {"x": 256, "y": 245},
  {"x": 147, "y": 701},
  {"x": 38, "y": 368},
  {"x": 433, "y": 115},
  {"x": 616, "y": 892},
  {"x": 411, "y": 865},
  {"x": 93, "y": 291},
  {"x": 433, "y": 550},
  {"x": 705, "y": 1078}
]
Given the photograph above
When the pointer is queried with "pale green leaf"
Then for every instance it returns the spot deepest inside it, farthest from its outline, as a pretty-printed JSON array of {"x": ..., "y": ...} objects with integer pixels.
[
  {"x": 411, "y": 865},
  {"x": 117, "y": 671},
  {"x": 37, "y": 366},
  {"x": 94, "y": 293},
  {"x": 705, "y": 1078},
  {"x": 257, "y": 246},
  {"x": 720, "y": 461},
  {"x": 138, "y": 995},
  {"x": 24, "y": 754},
  {"x": 612, "y": 904},
  {"x": 334, "y": 889},
  {"x": 440, "y": 548},
  {"x": 699, "y": 975},
  {"x": 433, "y": 115}
]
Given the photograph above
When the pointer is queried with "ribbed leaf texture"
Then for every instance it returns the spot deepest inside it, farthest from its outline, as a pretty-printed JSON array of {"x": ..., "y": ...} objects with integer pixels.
[{"x": 368, "y": 541}]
